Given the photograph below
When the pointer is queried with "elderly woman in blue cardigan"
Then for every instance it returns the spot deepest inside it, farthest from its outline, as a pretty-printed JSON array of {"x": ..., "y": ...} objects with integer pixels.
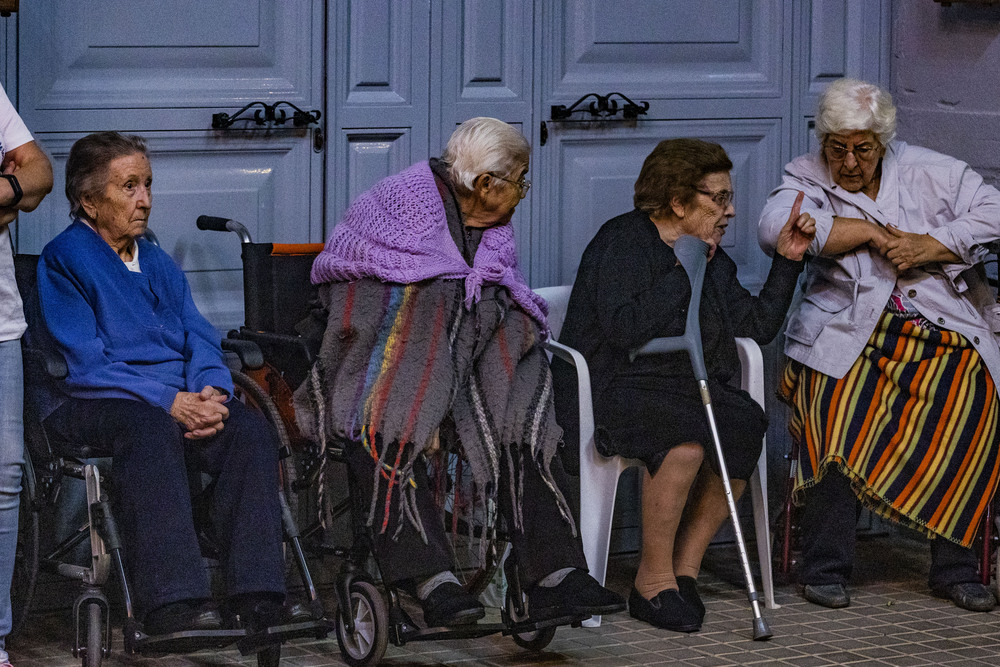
[{"x": 147, "y": 385}]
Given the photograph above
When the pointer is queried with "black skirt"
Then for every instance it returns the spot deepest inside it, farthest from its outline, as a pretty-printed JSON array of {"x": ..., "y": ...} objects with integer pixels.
[{"x": 645, "y": 422}]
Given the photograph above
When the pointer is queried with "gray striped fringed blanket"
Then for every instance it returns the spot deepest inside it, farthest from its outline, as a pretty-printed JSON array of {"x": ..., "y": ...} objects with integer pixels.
[{"x": 397, "y": 359}]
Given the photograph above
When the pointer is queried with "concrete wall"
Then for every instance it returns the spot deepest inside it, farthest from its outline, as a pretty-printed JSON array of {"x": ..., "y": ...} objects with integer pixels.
[{"x": 944, "y": 72}]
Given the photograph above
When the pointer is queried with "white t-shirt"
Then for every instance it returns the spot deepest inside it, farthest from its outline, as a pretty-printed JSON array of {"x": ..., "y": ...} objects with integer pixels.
[{"x": 13, "y": 133}]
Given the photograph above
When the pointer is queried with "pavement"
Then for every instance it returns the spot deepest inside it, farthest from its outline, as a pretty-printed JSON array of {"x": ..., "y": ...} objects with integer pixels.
[{"x": 892, "y": 620}]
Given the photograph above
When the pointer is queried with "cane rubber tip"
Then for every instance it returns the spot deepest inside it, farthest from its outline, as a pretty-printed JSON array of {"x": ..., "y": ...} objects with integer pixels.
[{"x": 761, "y": 632}]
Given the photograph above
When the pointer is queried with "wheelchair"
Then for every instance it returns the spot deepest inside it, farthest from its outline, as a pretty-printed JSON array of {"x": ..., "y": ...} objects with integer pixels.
[
  {"x": 47, "y": 476},
  {"x": 278, "y": 296}
]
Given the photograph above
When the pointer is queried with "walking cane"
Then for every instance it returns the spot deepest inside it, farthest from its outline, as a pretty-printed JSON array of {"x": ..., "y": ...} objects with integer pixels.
[{"x": 692, "y": 254}]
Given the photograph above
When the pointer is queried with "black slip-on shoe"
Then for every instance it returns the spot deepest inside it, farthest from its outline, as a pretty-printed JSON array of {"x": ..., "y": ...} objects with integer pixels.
[
  {"x": 689, "y": 591},
  {"x": 971, "y": 595},
  {"x": 834, "y": 596},
  {"x": 182, "y": 616},
  {"x": 667, "y": 610},
  {"x": 577, "y": 595},
  {"x": 449, "y": 604}
]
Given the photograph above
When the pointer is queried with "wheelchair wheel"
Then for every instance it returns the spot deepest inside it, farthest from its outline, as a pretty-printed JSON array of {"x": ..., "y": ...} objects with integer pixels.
[
  {"x": 366, "y": 645},
  {"x": 476, "y": 550},
  {"x": 94, "y": 653},
  {"x": 250, "y": 393},
  {"x": 535, "y": 640},
  {"x": 26, "y": 557}
]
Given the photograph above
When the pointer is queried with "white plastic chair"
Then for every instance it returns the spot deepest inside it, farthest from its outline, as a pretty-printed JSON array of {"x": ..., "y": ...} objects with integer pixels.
[{"x": 599, "y": 474}]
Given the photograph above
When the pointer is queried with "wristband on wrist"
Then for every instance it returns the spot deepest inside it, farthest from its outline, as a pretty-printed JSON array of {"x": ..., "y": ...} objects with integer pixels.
[{"x": 16, "y": 187}]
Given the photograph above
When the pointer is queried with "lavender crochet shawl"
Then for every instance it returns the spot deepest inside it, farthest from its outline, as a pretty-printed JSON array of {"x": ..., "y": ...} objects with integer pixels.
[{"x": 397, "y": 232}]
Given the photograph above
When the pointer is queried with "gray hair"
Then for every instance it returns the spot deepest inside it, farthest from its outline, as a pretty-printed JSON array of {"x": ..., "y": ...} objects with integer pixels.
[
  {"x": 481, "y": 145},
  {"x": 848, "y": 104},
  {"x": 88, "y": 161}
]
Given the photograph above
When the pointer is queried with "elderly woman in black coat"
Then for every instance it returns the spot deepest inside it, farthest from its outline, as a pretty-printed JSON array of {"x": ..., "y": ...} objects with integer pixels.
[{"x": 630, "y": 289}]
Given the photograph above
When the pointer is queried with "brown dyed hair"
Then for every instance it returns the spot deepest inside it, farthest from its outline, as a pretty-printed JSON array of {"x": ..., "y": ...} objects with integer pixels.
[{"x": 674, "y": 169}]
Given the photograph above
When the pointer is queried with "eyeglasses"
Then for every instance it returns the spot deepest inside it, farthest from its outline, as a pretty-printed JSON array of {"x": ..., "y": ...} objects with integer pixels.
[
  {"x": 722, "y": 198},
  {"x": 862, "y": 153},
  {"x": 524, "y": 184}
]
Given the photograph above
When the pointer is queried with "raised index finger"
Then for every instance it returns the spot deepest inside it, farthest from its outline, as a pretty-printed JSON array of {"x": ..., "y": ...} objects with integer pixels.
[{"x": 797, "y": 206}]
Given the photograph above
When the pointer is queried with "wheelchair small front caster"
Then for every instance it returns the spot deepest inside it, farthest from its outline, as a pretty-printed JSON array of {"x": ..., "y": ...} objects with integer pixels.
[
  {"x": 532, "y": 640},
  {"x": 270, "y": 656},
  {"x": 365, "y": 644}
]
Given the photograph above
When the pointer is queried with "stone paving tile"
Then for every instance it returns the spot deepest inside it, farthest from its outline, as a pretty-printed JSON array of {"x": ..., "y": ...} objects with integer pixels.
[{"x": 895, "y": 622}]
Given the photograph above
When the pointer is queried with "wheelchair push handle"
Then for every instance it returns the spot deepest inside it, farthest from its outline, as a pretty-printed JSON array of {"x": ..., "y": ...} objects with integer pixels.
[{"x": 217, "y": 224}]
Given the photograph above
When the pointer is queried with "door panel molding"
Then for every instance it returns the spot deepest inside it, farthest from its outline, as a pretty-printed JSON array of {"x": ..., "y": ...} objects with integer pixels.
[{"x": 170, "y": 59}]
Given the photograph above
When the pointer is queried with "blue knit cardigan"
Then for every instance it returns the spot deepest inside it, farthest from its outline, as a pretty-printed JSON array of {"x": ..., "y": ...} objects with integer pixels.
[{"x": 125, "y": 335}]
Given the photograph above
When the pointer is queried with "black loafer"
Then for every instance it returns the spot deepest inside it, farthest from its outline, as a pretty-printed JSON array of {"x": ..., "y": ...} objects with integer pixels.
[
  {"x": 689, "y": 591},
  {"x": 833, "y": 596},
  {"x": 449, "y": 604},
  {"x": 972, "y": 596},
  {"x": 667, "y": 610},
  {"x": 182, "y": 616},
  {"x": 577, "y": 595}
]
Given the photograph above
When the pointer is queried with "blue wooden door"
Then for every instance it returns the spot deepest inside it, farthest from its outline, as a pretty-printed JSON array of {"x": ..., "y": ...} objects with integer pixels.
[
  {"x": 745, "y": 74},
  {"x": 161, "y": 70}
]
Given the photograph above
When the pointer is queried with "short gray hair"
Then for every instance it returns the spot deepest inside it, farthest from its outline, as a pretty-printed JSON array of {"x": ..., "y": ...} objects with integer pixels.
[
  {"x": 481, "y": 145},
  {"x": 848, "y": 104},
  {"x": 88, "y": 161}
]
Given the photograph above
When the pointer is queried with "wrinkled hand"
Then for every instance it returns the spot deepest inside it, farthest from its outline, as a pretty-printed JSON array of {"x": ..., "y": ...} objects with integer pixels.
[
  {"x": 795, "y": 237},
  {"x": 908, "y": 251},
  {"x": 202, "y": 414}
]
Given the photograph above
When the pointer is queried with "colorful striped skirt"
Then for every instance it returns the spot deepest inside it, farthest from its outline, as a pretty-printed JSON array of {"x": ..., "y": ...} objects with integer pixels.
[{"x": 913, "y": 424}]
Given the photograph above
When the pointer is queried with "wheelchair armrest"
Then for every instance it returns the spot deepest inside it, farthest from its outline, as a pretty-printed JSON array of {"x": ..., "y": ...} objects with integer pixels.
[
  {"x": 307, "y": 348},
  {"x": 48, "y": 361},
  {"x": 249, "y": 353}
]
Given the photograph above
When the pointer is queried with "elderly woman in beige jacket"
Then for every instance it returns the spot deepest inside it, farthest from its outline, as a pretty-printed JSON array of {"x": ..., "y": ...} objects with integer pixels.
[{"x": 892, "y": 351}]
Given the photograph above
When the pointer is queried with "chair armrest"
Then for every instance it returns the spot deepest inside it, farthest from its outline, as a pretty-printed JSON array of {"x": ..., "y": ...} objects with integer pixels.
[
  {"x": 752, "y": 368},
  {"x": 248, "y": 352},
  {"x": 48, "y": 361},
  {"x": 585, "y": 408}
]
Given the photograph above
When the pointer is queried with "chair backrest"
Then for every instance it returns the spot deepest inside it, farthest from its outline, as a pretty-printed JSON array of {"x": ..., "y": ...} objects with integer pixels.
[{"x": 558, "y": 300}]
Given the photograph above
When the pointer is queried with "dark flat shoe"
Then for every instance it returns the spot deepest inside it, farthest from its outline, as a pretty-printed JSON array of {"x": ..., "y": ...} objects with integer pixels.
[
  {"x": 689, "y": 591},
  {"x": 183, "y": 616},
  {"x": 667, "y": 610},
  {"x": 449, "y": 604},
  {"x": 578, "y": 594},
  {"x": 972, "y": 596},
  {"x": 833, "y": 596}
]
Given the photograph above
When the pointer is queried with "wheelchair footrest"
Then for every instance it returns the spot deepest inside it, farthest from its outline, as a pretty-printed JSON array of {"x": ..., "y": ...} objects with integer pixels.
[
  {"x": 531, "y": 626},
  {"x": 276, "y": 634},
  {"x": 470, "y": 631},
  {"x": 188, "y": 641}
]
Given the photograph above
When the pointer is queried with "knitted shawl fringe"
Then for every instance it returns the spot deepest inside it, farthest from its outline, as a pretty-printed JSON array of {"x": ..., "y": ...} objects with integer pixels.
[{"x": 397, "y": 359}]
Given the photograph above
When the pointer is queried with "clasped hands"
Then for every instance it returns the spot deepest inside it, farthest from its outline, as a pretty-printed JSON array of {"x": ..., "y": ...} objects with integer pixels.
[
  {"x": 202, "y": 414},
  {"x": 909, "y": 251}
]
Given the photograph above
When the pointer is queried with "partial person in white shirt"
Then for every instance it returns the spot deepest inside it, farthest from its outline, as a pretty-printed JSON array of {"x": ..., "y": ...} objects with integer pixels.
[{"x": 25, "y": 178}]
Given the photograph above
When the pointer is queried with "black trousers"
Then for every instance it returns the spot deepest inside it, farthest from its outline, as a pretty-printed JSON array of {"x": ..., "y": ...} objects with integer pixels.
[
  {"x": 829, "y": 521},
  {"x": 545, "y": 544},
  {"x": 152, "y": 495}
]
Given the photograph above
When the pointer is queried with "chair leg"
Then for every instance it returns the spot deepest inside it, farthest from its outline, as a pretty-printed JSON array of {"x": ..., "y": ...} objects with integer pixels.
[
  {"x": 984, "y": 566},
  {"x": 596, "y": 512},
  {"x": 786, "y": 543}
]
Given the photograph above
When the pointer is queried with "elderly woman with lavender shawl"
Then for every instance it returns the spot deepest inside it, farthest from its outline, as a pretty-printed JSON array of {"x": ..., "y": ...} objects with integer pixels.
[{"x": 432, "y": 335}]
